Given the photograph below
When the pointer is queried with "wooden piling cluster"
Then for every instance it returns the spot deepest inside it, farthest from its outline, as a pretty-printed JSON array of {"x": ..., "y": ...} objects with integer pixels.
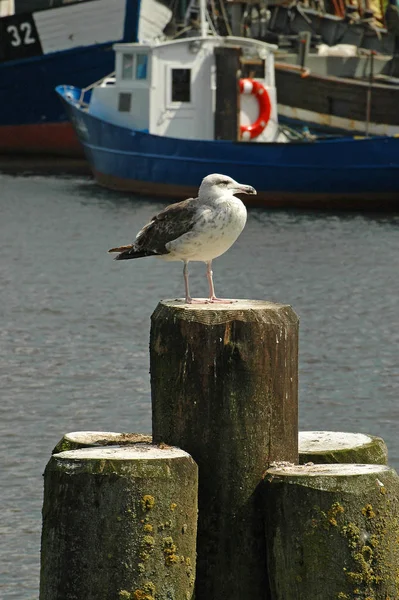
[{"x": 120, "y": 510}]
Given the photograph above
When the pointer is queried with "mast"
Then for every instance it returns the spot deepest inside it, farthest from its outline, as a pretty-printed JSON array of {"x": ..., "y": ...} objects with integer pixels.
[{"x": 204, "y": 22}]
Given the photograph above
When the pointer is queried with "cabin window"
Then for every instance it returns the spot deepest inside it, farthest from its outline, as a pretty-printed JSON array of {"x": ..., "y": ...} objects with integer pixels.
[
  {"x": 127, "y": 66},
  {"x": 141, "y": 66},
  {"x": 181, "y": 80},
  {"x": 124, "y": 102}
]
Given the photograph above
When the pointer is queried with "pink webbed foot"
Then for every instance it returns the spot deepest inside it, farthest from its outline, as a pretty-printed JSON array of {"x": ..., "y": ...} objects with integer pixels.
[
  {"x": 213, "y": 300},
  {"x": 195, "y": 301}
]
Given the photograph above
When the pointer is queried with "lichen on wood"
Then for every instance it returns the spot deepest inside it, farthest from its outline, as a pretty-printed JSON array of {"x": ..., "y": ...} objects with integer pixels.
[
  {"x": 104, "y": 516},
  {"x": 332, "y": 532},
  {"x": 323, "y": 447},
  {"x": 87, "y": 439},
  {"x": 224, "y": 380}
]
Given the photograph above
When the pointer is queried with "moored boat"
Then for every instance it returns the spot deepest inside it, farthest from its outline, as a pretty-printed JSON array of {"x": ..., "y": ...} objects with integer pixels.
[
  {"x": 343, "y": 90},
  {"x": 336, "y": 74},
  {"x": 352, "y": 24},
  {"x": 43, "y": 42},
  {"x": 172, "y": 115}
]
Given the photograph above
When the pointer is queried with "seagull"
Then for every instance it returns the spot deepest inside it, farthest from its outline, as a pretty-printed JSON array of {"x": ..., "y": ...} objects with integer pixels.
[{"x": 196, "y": 229}]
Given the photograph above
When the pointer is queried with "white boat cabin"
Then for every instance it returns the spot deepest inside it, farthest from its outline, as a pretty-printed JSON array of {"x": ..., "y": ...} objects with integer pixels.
[{"x": 189, "y": 88}]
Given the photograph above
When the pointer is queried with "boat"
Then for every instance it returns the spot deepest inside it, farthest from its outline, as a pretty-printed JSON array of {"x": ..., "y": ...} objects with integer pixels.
[
  {"x": 347, "y": 24},
  {"x": 335, "y": 73},
  {"x": 342, "y": 90},
  {"x": 337, "y": 105},
  {"x": 45, "y": 41},
  {"x": 175, "y": 112}
]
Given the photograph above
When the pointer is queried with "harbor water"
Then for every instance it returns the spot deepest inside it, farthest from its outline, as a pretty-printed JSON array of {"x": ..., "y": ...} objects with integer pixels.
[{"x": 75, "y": 327}]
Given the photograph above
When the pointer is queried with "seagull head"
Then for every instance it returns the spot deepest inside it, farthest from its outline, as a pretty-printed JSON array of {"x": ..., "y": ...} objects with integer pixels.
[{"x": 216, "y": 185}]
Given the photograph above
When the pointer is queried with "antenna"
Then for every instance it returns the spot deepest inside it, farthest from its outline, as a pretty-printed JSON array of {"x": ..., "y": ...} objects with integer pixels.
[{"x": 203, "y": 19}]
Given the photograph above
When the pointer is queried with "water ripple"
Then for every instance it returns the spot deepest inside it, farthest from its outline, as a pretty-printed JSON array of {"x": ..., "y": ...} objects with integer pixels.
[{"x": 74, "y": 335}]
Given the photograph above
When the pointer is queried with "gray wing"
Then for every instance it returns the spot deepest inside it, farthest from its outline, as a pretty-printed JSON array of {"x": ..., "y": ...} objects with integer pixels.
[{"x": 168, "y": 225}]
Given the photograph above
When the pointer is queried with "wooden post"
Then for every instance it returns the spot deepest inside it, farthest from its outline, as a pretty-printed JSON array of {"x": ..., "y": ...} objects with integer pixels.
[
  {"x": 304, "y": 39},
  {"x": 332, "y": 532},
  {"x": 227, "y": 109},
  {"x": 341, "y": 447},
  {"x": 119, "y": 524},
  {"x": 224, "y": 380},
  {"x": 87, "y": 439}
]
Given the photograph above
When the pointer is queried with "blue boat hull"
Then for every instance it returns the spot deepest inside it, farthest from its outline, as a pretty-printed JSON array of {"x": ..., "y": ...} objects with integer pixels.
[
  {"x": 341, "y": 172},
  {"x": 32, "y": 118},
  {"x": 38, "y": 123}
]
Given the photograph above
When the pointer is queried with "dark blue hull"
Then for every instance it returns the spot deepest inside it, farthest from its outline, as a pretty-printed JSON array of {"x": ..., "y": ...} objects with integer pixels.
[
  {"x": 340, "y": 171},
  {"x": 27, "y": 94},
  {"x": 32, "y": 118}
]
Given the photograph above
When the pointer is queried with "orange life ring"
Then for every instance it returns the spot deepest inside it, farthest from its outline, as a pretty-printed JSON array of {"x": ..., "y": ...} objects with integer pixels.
[{"x": 249, "y": 86}]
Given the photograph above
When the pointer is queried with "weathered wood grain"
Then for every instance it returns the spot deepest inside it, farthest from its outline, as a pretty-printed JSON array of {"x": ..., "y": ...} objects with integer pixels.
[
  {"x": 119, "y": 523},
  {"x": 224, "y": 381},
  {"x": 341, "y": 447},
  {"x": 332, "y": 532}
]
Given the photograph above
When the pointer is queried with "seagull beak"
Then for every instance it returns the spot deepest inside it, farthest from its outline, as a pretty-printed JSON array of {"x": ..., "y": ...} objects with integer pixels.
[{"x": 245, "y": 189}]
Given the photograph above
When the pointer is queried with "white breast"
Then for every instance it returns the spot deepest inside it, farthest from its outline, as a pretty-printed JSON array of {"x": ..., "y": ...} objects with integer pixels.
[{"x": 216, "y": 229}]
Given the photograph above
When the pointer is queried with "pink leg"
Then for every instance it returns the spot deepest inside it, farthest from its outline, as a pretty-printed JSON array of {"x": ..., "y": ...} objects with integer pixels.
[
  {"x": 189, "y": 300},
  {"x": 209, "y": 275}
]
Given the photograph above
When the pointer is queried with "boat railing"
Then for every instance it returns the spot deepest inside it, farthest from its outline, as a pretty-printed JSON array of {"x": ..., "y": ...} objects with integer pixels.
[
  {"x": 304, "y": 71},
  {"x": 87, "y": 89}
]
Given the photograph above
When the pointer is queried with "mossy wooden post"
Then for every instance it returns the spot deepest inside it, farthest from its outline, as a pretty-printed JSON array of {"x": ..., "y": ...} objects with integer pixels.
[
  {"x": 224, "y": 381},
  {"x": 341, "y": 447},
  {"x": 119, "y": 524},
  {"x": 87, "y": 439},
  {"x": 332, "y": 532}
]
